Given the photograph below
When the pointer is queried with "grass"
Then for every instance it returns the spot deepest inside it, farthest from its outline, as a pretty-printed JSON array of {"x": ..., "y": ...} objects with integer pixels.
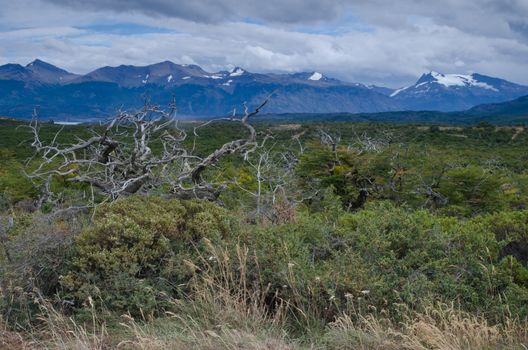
[
  {"x": 439, "y": 326},
  {"x": 223, "y": 312}
]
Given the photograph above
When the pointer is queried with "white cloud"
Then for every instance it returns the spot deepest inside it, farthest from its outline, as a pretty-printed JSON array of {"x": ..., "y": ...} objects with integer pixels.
[{"x": 416, "y": 37}]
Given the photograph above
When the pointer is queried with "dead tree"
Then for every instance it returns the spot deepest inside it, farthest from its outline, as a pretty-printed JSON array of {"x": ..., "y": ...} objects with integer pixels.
[
  {"x": 429, "y": 187},
  {"x": 331, "y": 140},
  {"x": 274, "y": 182},
  {"x": 363, "y": 143},
  {"x": 119, "y": 158}
]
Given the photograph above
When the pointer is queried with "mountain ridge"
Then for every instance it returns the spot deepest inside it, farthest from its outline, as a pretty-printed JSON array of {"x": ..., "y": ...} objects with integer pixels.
[
  {"x": 102, "y": 91},
  {"x": 456, "y": 92}
]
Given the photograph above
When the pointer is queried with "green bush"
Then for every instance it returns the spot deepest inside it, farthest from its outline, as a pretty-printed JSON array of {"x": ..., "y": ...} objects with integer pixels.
[
  {"x": 354, "y": 175},
  {"x": 132, "y": 257},
  {"x": 472, "y": 190},
  {"x": 384, "y": 255},
  {"x": 137, "y": 254}
]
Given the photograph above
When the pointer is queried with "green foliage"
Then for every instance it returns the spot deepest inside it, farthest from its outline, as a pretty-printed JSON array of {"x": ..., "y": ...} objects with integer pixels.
[
  {"x": 14, "y": 187},
  {"x": 141, "y": 251},
  {"x": 383, "y": 255},
  {"x": 348, "y": 172},
  {"x": 132, "y": 258},
  {"x": 472, "y": 189},
  {"x": 336, "y": 253}
]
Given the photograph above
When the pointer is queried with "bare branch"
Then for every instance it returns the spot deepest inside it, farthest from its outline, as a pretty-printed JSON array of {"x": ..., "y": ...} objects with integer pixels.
[{"x": 119, "y": 158}]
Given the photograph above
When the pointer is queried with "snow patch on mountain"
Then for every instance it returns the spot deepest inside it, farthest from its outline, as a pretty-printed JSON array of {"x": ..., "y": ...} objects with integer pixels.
[
  {"x": 396, "y": 92},
  {"x": 316, "y": 76},
  {"x": 236, "y": 72},
  {"x": 214, "y": 76},
  {"x": 446, "y": 80},
  {"x": 169, "y": 78},
  {"x": 449, "y": 80}
]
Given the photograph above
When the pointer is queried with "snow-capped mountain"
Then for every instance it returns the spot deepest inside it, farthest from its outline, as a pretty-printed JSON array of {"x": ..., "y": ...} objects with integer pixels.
[
  {"x": 312, "y": 77},
  {"x": 163, "y": 73},
  {"x": 198, "y": 92},
  {"x": 170, "y": 74},
  {"x": 201, "y": 93},
  {"x": 451, "y": 92}
]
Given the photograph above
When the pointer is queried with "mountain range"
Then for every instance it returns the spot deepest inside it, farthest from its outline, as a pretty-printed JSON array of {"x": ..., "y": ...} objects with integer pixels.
[{"x": 60, "y": 94}]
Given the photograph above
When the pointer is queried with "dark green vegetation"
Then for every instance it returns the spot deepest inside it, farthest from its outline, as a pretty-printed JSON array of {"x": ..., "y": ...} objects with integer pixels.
[
  {"x": 373, "y": 220},
  {"x": 517, "y": 107},
  {"x": 505, "y": 113}
]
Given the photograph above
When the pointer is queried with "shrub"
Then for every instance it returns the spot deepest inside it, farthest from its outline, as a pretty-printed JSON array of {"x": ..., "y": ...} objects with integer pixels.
[
  {"x": 39, "y": 249},
  {"x": 132, "y": 258},
  {"x": 385, "y": 255},
  {"x": 472, "y": 190},
  {"x": 13, "y": 186}
]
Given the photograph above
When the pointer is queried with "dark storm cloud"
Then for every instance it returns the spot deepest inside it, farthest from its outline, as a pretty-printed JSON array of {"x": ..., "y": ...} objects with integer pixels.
[
  {"x": 214, "y": 11},
  {"x": 483, "y": 16},
  {"x": 521, "y": 28},
  {"x": 487, "y": 17}
]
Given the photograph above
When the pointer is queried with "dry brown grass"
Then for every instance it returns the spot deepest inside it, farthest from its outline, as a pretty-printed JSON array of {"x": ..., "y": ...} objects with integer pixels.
[
  {"x": 287, "y": 127},
  {"x": 13, "y": 341},
  {"x": 59, "y": 332},
  {"x": 440, "y": 327},
  {"x": 222, "y": 313},
  {"x": 200, "y": 339}
]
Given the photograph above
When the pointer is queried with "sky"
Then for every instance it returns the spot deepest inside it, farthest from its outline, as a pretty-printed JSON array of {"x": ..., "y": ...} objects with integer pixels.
[{"x": 383, "y": 42}]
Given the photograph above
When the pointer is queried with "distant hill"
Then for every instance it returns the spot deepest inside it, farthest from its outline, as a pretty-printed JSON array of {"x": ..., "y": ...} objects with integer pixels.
[
  {"x": 517, "y": 107},
  {"x": 505, "y": 113}
]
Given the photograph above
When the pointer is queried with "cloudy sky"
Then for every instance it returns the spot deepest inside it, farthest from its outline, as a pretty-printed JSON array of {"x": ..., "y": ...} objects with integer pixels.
[{"x": 370, "y": 41}]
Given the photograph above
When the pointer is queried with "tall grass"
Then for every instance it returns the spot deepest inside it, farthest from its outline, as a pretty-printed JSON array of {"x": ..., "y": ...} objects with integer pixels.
[
  {"x": 439, "y": 326},
  {"x": 224, "y": 310}
]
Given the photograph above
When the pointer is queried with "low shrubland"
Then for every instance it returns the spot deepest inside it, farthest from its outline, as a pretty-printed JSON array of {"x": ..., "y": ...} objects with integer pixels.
[
  {"x": 149, "y": 272},
  {"x": 355, "y": 237}
]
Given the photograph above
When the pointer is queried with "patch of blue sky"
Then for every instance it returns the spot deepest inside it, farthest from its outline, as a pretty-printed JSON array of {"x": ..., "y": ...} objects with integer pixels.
[
  {"x": 251, "y": 20},
  {"x": 126, "y": 29},
  {"x": 344, "y": 24},
  {"x": 419, "y": 20}
]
